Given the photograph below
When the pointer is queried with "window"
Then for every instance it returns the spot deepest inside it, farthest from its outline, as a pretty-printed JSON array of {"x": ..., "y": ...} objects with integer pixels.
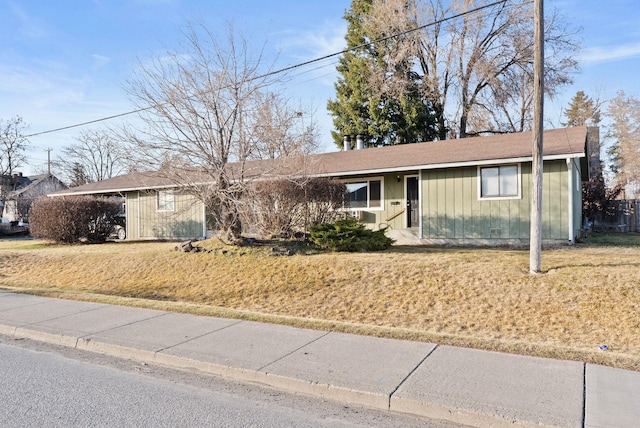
[
  {"x": 165, "y": 200},
  {"x": 500, "y": 182},
  {"x": 365, "y": 194}
]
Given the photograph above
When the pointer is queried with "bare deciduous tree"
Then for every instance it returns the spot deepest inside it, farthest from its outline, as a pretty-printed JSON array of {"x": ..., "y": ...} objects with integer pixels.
[
  {"x": 97, "y": 155},
  {"x": 477, "y": 68},
  {"x": 624, "y": 111},
  {"x": 281, "y": 130},
  {"x": 12, "y": 144},
  {"x": 201, "y": 109}
]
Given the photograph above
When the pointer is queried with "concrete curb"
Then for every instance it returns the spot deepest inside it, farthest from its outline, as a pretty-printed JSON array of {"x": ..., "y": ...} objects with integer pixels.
[
  {"x": 461, "y": 385},
  {"x": 284, "y": 383}
]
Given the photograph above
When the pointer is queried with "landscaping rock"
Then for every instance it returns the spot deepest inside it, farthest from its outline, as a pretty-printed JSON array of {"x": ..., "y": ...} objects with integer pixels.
[
  {"x": 281, "y": 251},
  {"x": 187, "y": 247}
]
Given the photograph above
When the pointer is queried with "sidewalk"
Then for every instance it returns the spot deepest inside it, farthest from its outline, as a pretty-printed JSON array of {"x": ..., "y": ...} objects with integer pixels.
[{"x": 467, "y": 386}]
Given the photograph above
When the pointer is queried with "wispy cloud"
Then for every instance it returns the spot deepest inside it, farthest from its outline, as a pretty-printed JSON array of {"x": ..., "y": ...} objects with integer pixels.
[
  {"x": 607, "y": 54},
  {"x": 318, "y": 41},
  {"x": 30, "y": 89},
  {"x": 100, "y": 61},
  {"x": 152, "y": 2},
  {"x": 30, "y": 27}
]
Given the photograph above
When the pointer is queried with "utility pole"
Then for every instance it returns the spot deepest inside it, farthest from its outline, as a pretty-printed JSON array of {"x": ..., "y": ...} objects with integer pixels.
[
  {"x": 535, "y": 235},
  {"x": 48, "y": 160}
]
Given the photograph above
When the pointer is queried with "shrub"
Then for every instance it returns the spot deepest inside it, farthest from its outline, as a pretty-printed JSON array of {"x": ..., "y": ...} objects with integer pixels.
[
  {"x": 275, "y": 207},
  {"x": 280, "y": 208},
  {"x": 324, "y": 198},
  {"x": 71, "y": 220},
  {"x": 349, "y": 235},
  {"x": 598, "y": 200}
]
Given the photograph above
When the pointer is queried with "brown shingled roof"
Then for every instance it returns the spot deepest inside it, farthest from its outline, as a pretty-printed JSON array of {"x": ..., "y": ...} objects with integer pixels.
[
  {"x": 121, "y": 183},
  {"x": 558, "y": 143},
  {"x": 437, "y": 154}
]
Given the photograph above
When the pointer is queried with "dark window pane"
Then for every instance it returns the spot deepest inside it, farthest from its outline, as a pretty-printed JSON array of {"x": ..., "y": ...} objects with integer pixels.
[
  {"x": 357, "y": 195},
  {"x": 375, "y": 190}
]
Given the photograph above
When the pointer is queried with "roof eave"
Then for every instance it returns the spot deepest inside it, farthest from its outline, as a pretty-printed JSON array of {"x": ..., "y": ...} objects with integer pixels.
[
  {"x": 450, "y": 165},
  {"x": 123, "y": 190}
]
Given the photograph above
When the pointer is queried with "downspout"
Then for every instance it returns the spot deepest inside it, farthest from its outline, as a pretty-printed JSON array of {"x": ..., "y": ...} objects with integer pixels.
[
  {"x": 204, "y": 221},
  {"x": 420, "y": 202},
  {"x": 139, "y": 222},
  {"x": 127, "y": 223},
  {"x": 571, "y": 199}
]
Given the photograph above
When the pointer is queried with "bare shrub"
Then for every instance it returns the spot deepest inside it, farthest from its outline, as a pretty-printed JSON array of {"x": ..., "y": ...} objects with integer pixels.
[
  {"x": 73, "y": 219},
  {"x": 275, "y": 206},
  {"x": 324, "y": 198},
  {"x": 284, "y": 207}
]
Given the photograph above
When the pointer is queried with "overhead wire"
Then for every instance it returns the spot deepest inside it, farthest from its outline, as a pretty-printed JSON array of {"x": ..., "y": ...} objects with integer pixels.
[{"x": 284, "y": 69}]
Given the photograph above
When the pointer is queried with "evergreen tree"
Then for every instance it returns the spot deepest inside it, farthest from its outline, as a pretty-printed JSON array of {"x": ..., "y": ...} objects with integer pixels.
[
  {"x": 78, "y": 175},
  {"x": 582, "y": 111},
  {"x": 361, "y": 106}
]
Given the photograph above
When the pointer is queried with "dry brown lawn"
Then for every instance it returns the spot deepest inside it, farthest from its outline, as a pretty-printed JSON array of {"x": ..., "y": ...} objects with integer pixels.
[{"x": 589, "y": 294}]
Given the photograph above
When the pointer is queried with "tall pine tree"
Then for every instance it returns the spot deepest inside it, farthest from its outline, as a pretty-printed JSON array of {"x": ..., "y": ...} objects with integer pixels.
[
  {"x": 582, "y": 111},
  {"x": 361, "y": 107}
]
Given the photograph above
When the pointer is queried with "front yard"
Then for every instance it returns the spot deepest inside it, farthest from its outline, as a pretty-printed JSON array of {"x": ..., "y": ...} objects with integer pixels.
[{"x": 485, "y": 298}]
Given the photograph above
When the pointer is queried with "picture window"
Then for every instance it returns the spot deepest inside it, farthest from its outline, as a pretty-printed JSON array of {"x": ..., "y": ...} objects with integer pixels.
[
  {"x": 166, "y": 201},
  {"x": 364, "y": 194},
  {"x": 500, "y": 181}
]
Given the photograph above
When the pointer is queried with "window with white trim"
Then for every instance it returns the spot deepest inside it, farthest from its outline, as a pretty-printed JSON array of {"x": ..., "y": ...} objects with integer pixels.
[
  {"x": 499, "y": 181},
  {"x": 166, "y": 200},
  {"x": 364, "y": 194}
]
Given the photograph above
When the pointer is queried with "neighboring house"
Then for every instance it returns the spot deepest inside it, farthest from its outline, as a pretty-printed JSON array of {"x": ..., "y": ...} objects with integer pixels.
[
  {"x": 464, "y": 191},
  {"x": 20, "y": 192}
]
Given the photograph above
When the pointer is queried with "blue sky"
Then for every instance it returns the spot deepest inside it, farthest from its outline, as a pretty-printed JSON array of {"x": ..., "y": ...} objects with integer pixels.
[{"x": 65, "y": 62}]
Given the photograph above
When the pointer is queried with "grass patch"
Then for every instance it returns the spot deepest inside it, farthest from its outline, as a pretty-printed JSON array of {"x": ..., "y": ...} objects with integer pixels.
[
  {"x": 483, "y": 298},
  {"x": 614, "y": 239}
]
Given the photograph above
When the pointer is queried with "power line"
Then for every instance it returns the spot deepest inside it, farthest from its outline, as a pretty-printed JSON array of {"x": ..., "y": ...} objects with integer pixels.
[{"x": 281, "y": 70}]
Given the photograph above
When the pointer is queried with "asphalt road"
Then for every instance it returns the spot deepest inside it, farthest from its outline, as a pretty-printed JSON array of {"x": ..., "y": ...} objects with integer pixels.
[{"x": 46, "y": 385}]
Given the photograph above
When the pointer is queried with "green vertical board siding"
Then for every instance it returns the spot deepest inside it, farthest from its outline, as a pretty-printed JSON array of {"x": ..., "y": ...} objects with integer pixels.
[
  {"x": 555, "y": 201},
  {"x": 451, "y": 208},
  {"x": 443, "y": 214},
  {"x": 428, "y": 209},
  {"x": 486, "y": 216},
  {"x": 432, "y": 204},
  {"x": 506, "y": 219},
  {"x": 467, "y": 194},
  {"x": 550, "y": 218},
  {"x": 577, "y": 197},
  {"x": 525, "y": 203},
  {"x": 388, "y": 195},
  {"x": 459, "y": 220},
  {"x": 394, "y": 202},
  {"x": 447, "y": 204},
  {"x": 185, "y": 221},
  {"x": 132, "y": 225}
]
